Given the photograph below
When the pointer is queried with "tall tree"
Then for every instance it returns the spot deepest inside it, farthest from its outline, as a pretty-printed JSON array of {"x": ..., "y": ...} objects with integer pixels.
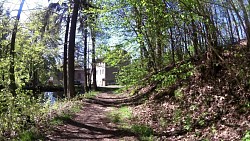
[
  {"x": 246, "y": 20},
  {"x": 71, "y": 50},
  {"x": 12, "y": 51},
  {"x": 65, "y": 57},
  {"x": 85, "y": 49},
  {"x": 93, "y": 38}
]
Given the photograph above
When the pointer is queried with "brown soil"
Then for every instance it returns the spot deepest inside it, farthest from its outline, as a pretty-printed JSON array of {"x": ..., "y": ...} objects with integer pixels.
[{"x": 91, "y": 123}]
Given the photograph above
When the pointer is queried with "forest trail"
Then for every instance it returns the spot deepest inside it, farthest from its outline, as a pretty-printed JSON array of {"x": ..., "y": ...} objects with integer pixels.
[{"x": 91, "y": 123}]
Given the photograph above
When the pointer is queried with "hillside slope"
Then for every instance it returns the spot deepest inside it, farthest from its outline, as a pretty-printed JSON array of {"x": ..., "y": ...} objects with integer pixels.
[{"x": 207, "y": 101}]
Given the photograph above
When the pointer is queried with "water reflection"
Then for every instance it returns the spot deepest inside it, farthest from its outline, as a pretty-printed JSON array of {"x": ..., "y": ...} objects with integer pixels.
[{"x": 49, "y": 98}]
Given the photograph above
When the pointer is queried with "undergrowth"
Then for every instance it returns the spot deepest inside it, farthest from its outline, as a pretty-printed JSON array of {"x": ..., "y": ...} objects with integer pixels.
[
  {"x": 25, "y": 118},
  {"x": 202, "y": 100},
  {"x": 89, "y": 94},
  {"x": 17, "y": 114},
  {"x": 246, "y": 136},
  {"x": 122, "y": 116},
  {"x": 145, "y": 132},
  {"x": 56, "y": 114}
]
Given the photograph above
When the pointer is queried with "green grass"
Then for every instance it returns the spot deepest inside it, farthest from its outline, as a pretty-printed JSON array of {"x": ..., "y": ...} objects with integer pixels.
[
  {"x": 246, "y": 136},
  {"x": 60, "y": 119},
  {"x": 119, "y": 91},
  {"x": 30, "y": 135},
  {"x": 120, "y": 115},
  {"x": 58, "y": 113},
  {"x": 90, "y": 94},
  {"x": 75, "y": 109},
  {"x": 178, "y": 94},
  {"x": 66, "y": 114},
  {"x": 145, "y": 132}
]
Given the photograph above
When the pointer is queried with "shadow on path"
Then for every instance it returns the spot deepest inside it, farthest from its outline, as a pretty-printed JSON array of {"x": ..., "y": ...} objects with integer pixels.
[
  {"x": 92, "y": 132},
  {"x": 109, "y": 99},
  {"x": 91, "y": 123}
]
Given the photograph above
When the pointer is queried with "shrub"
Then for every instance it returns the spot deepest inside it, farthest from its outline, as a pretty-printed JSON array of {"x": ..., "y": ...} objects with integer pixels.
[{"x": 17, "y": 113}]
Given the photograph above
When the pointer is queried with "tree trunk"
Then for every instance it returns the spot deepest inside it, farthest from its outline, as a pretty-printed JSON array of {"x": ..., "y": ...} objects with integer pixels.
[
  {"x": 172, "y": 46},
  {"x": 2, "y": 52},
  {"x": 231, "y": 34},
  {"x": 85, "y": 76},
  {"x": 247, "y": 22},
  {"x": 71, "y": 51},
  {"x": 186, "y": 40},
  {"x": 93, "y": 37},
  {"x": 237, "y": 14},
  {"x": 12, "y": 52},
  {"x": 65, "y": 56},
  {"x": 236, "y": 26},
  {"x": 139, "y": 33},
  {"x": 159, "y": 59},
  {"x": 195, "y": 38}
]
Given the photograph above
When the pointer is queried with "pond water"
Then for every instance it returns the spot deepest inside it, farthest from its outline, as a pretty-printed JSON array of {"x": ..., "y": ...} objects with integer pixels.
[{"x": 49, "y": 97}]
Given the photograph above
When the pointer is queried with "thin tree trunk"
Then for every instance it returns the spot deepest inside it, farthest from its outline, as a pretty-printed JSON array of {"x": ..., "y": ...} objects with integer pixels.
[
  {"x": 93, "y": 37},
  {"x": 71, "y": 50},
  {"x": 212, "y": 27},
  {"x": 186, "y": 40},
  {"x": 172, "y": 46},
  {"x": 65, "y": 56},
  {"x": 237, "y": 14},
  {"x": 12, "y": 52},
  {"x": 236, "y": 26},
  {"x": 88, "y": 72},
  {"x": 139, "y": 33},
  {"x": 230, "y": 26},
  {"x": 85, "y": 79},
  {"x": 2, "y": 56},
  {"x": 247, "y": 22}
]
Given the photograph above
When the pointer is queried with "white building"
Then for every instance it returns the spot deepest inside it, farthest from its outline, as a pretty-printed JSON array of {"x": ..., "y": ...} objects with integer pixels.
[{"x": 105, "y": 75}]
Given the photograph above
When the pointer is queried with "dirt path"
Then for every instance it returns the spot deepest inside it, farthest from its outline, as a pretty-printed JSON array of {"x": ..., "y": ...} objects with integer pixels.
[{"x": 91, "y": 123}]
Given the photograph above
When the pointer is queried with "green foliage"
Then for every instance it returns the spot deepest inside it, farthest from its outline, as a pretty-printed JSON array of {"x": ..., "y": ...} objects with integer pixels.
[
  {"x": 35, "y": 49},
  {"x": 17, "y": 114},
  {"x": 201, "y": 122},
  {"x": 163, "y": 122},
  {"x": 49, "y": 115},
  {"x": 30, "y": 135},
  {"x": 177, "y": 115},
  {"x": 27, "y": 136},
  {"x": 89, "y": 94},
  {"x": 178, "y": 94},
  {"x": 60, "y": 119},
  {"x": 213, "y": 129},
  {"x": 114, "y": 56},
  {"x": 246, "y": 136},
  {"x": 188, "y": 123},
  {"x": 170, "y": 77},
  {"x": 144, "y": 131},
  {"x": 131, "y": 74},
  {"x": 120, "y": 115},
  {"x": 166, "y": 78}
]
